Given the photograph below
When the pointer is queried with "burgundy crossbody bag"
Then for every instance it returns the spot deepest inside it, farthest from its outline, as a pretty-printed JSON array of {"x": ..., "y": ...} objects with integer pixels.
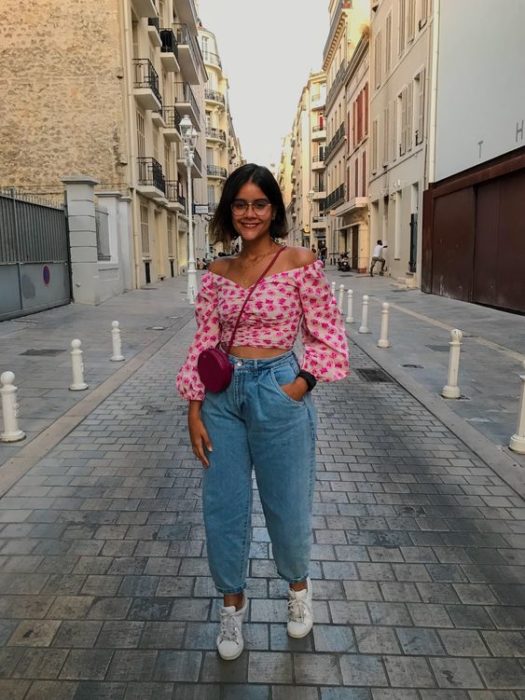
[{"x": 214, "y": 368}]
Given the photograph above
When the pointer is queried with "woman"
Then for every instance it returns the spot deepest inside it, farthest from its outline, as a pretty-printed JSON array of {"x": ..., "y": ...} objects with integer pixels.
[{"x": 265, "y": 419}]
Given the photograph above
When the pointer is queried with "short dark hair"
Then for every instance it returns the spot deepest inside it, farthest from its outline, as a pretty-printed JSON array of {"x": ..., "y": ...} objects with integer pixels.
[
  {"x": 379, "y": 242},
  {"x": 221, "y": 225}
]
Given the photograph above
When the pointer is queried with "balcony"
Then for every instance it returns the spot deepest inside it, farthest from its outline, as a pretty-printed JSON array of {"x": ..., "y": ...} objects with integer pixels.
[
  {"x": 215, "y": 134},
  {"x": 154, "y": 31},
  {"x": 146, "y": 84},
  {"x": 318, "y": 102},
  {"x": 176, "y": 200},
  {"x": 151, "y": 182},
  {"x": 318, "y": 132},
  {"x": 190, "y": 57},
  {"x": 187, "y": 13},
  {"x": 319, "y": 192},
  {"x": 145, "y": 8},
  {"x": 335, "y": 198},
  {"x": 216, "y": 171},
  {"x": 318, "y": 162},
  {"x": 211, "y": 59},
  {"x": 214, "y": 96},
  {"x": 353, "y": 204},
  {"x": 318, "y": 222},
  {"x": 336, "y": 141},
  {"x": 187, "y": 104},
  {"x": 169, "y": 51},
  {"x": 196, "y": 170},
  {"x": 171, "y": 126}
]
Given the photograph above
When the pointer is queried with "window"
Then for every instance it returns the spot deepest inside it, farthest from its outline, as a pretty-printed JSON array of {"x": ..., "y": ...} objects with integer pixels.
[
  {"x": 141, "y": 138},
  {"x": 420, "y": 107},
  {"x": 374, "y": 146},
  {"x": 211, "y": 194},
  {"x": 156, "y": 144},
  {"x": 402, "y": 110},
  {"x": 171, "y": 237},
  {"x": 377, "y": 59},
  {"x": 386, "y": 135},
  {"x": 356, "y": 177},
  {"x": 144, "y": 230},
  {"x": 366, "y": 108},
  {"x": 411, "y": 20},
  {"x": 410, "y": 116},
  {"x": 388, "y": 43},
  {"x": 393, "y": 131},
  {"x": 364, "y": 176},
  {"x": 402, "y": 22},
  {"x": 167, "y": 162}
]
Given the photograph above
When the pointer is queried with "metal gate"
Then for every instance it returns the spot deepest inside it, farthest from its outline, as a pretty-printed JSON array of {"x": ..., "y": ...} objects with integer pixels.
[{"x": 34, "y": 255}]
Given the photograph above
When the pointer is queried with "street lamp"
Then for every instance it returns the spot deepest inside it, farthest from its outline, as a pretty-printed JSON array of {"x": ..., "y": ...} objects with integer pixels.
[{"x": 189, "y": 141}]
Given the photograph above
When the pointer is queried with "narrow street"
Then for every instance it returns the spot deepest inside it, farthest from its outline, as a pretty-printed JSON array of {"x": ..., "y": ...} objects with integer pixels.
[{"x": 418, "y": 562}]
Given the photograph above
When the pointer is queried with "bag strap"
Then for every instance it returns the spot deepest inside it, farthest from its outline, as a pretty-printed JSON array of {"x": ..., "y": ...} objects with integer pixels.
[{"x": 249, "y": 295}]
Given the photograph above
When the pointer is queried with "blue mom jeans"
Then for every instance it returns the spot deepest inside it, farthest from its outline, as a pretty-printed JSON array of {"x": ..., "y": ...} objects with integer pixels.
[{"x": 254, "y": 424}]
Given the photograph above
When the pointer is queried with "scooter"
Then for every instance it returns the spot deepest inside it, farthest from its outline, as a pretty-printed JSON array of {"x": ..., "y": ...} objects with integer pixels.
[{"x": 343, "y": 264}]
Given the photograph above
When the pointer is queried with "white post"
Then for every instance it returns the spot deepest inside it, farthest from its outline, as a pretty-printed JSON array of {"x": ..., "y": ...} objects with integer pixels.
[
  {"x": 363, "y": 328},
  {"x": 78, "y": 367},
  {"x": 350, "y": 317},
  {"x": 451, "y": 389},
  {"x": 11, "y": 433},
  {"x": 341, "y": 297},
  {"x": 383, "y": 341},
  {"x": 333, "y": 289},
  {"x": 517, "y": 441},
  {"x": 117, "y": 343}
]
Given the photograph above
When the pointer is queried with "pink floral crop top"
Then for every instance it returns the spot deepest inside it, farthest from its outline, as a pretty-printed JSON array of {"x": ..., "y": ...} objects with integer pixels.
[{"x": 280, "y": 305}]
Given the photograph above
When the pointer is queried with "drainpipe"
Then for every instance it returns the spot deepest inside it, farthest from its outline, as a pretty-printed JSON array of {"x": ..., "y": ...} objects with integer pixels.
[
  {"x": 129, "y": 111},
  {"x": 433, "y": 94}
]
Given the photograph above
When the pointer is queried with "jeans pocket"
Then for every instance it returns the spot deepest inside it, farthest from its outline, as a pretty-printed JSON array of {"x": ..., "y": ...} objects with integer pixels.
[{"x": 285, "y": 375}]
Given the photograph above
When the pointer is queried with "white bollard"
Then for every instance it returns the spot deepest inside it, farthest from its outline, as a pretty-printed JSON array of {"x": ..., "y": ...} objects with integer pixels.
[
  {"x": 117, "y": 343},
  {"x": 11, "y": 433},
  {"x": 333, "y": 289},
  {"x": 350, "y": 316},
  {"x": 78, "y": 367},
  {"x": 383, "y": 341},
  {"x": 341, "y": 297},
  {"x": 363, "y": 328},
  {"x": 451, "y": 389},
  {"x": 517, "y": 441}
]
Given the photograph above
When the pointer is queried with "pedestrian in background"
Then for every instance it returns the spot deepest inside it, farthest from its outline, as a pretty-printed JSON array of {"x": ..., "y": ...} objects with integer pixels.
[
  {"x": 378, "y": 257},
  {"x": 265, "y": 419}
]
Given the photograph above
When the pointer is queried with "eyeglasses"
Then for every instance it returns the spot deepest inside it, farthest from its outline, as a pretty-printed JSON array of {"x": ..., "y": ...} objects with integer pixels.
[{"x": 240, "y": 206}]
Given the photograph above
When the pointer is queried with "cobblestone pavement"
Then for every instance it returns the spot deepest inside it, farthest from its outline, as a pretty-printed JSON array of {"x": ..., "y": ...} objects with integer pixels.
[{"x": 418, "y": 562}]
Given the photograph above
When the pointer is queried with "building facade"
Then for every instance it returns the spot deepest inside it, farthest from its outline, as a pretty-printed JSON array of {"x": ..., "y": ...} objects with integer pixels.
[
  {"x": 348, "y": 19},
  {"x": 474, "y": 208},
  {"x": 114, "y": 79},
  {"x": 401, "y": 32},
  {"x": 223, "y": 152}
]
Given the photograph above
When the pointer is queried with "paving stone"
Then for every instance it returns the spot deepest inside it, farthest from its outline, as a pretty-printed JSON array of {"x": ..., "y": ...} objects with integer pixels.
[
  {"x": 269, "y": 667},
  {"x": 120, "y": 634},
  {"x": 316, "y": 670},
  {"x": 178, "y": 666},
  {"x": 361, "y": 670},
  {"x": 52, "y": 690},
  {"x": 389, "y": 614},
  {"x": 505, "y": 643},
  {"x": 334, "y": 638},
  {"x": 455, "y": 673},
  {"x": 408, "y": 672},
  {"x": 154, "y": 691},
  {"x": 419, "y": 641},
  {"x": 13, "y": 689},
  {"x": 344, "y": 694},
  {"x": 376, "y": 640},
  {"x": 463, "y": 643},
  {"x": 77, "y": 633},
  {"x": 132, "y": 665},
  {"x": 100, "y": 691},
  {"x": 40, "y": 663},
  {"x": 502, "y": 673}
]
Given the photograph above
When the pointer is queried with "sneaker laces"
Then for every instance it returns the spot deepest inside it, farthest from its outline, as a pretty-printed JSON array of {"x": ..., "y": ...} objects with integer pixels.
[
  {"x": 229, "y": 631},
  {"x": 297, "y": 608}
]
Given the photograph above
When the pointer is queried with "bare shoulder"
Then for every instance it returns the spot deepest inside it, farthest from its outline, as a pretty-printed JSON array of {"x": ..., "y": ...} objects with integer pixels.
[
  {"x": 300, "y": 257},
  {"x": 220, "y": 266}
]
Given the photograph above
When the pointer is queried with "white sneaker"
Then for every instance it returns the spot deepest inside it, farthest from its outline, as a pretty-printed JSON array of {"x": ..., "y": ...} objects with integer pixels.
[
  {"x": 230, "y": 643},
  {"x": 300, "y": 616}
]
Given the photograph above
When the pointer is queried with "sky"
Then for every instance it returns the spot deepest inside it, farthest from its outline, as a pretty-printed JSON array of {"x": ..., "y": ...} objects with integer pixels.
[{"x": 267, "y": 48}]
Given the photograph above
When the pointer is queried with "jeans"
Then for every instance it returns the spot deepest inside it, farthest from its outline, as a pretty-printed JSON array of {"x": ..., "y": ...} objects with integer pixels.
[{"x": 254, "y": 424}]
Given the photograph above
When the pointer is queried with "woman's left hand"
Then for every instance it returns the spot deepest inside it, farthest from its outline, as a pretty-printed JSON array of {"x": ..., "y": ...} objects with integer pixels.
[{"x": 296, "y": 389}]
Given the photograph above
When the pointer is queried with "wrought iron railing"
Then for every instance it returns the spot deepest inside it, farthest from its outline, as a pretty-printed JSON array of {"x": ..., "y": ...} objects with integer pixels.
[
  {"x": 150, "y": 173},
  {"x": 335, "y": 141},
  {"x": 174, "y": 192},
  {"x": 335, "y": 198},
  {"x": 185, "y": 37},
  {"x": 146, "y": 76},
  {"x": 184, "y": 93},
  {"x": 216, "y": 171},
  {"x": 214, "y": 95},
  {"x": 213, "y": 133},
  {"x": 171, "y": 117},
  {"x": 212, "y": 58}
]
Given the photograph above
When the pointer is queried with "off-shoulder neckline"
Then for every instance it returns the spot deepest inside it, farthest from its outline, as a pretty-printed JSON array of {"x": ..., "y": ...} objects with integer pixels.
[{"x": 275, "y": 274}]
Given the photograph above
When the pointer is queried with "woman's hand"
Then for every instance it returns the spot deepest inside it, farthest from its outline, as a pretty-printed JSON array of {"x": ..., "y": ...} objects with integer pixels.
[
  {"x": 199, "y": 437},
  {"x": 296, "y": 389}
]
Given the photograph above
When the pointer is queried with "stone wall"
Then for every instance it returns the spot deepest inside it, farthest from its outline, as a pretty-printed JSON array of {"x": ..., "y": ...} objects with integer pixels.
[{"x": 62, "y": 96}]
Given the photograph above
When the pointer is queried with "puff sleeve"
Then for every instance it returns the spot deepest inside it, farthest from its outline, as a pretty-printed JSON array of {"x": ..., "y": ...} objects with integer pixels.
[
  {"x": 322, "y": 328},
  {"x": 207, "y": 336}
]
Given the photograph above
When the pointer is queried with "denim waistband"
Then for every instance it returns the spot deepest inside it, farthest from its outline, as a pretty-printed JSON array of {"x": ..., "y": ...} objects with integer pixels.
[{"x": 241, "y": 363}]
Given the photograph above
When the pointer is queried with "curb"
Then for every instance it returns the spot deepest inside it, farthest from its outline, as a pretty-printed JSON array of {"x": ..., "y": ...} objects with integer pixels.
[{"x": 499, "y": 459}]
